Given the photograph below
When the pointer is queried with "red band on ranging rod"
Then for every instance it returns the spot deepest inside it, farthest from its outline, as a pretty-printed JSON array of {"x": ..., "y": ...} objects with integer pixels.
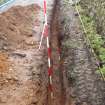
[
  {"x": 45, "y": 34},
  {"x": 50, "y": 71},
  {"x": 44, "y": 7},
  {"x": 49, "y": 52}
]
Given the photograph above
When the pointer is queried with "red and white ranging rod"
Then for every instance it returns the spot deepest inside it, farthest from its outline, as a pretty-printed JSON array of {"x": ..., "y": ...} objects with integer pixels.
[{"x": 45, "y": 34}]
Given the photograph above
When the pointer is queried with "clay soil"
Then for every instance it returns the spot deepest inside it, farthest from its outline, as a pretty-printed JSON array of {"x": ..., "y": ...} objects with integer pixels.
[{"x": 20, "y": 61}]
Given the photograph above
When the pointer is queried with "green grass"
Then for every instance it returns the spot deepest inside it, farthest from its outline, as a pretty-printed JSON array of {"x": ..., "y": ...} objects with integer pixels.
[
  {"x": 3, "y": 1},
  {"x": 96, "y": 40}
]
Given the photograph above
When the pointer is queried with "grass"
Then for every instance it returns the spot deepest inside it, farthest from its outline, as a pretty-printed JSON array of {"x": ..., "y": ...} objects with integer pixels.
[
  {"x": 3, "y": 1},
  {"x": 96, "y": 40}
]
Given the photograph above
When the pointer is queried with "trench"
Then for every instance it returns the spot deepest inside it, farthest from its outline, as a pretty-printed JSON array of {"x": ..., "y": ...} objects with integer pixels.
[
  {"x": 73, "y": 57},
  {"x": 75, "y": 81},
  {"x": 61, "y": 90}
]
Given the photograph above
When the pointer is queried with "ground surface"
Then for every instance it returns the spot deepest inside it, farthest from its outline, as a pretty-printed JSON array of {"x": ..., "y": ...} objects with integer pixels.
[
  {"x": 23, "y": 68},
  {"x": 79, "y": 61},
  {"x": 22, "y": 3},
  {"x": 19, "y": 58}
]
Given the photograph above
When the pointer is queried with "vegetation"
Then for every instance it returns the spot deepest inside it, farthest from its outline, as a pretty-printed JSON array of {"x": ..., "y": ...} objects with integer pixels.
[
  {"x": 3, "y": 1},
  {"x": 96, "y": 9},
  {"x": 91, "y": 25}
]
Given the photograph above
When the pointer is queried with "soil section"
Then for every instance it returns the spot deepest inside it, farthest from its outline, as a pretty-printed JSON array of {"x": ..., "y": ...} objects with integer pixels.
[{"x": 20, "y": 60}]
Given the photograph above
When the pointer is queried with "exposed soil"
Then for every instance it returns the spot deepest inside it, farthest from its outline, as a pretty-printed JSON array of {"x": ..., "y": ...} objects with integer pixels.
[
  {"x": 23, "y": 68},
  {"x": 4, "y": 63},
  {"x": 75, "y": 79},
  {"x": 22, "y": 82},
  {"x": 59, "y": 77},
  {"x": 79, "y": 62},
  {"x": 20, "y": 61},
  {"x": 17, "y": 24}
]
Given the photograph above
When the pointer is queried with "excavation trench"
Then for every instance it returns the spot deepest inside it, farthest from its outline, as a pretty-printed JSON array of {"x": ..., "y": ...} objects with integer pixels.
[
  {"x": 75, "y": 80},
  {"x": 24, "y": 78},
  {"x": 61, "y": 90}
]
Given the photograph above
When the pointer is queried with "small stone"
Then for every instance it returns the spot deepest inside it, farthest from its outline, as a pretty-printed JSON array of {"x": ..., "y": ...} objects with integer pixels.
[
  {"x": 5, "y": 48},
  {"x": 19, "y": 54},
  {"x": 35, "y": 101},
  {"x": 76, "y": 14},
  {"x": 10, "y": 69},
  {"x": 30, "y": 41}
]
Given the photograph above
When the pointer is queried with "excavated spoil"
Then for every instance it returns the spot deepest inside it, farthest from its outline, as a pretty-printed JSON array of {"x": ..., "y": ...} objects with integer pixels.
[
  {"x": 20, "y": 61},
  {"x": 16, "y": 24}
]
